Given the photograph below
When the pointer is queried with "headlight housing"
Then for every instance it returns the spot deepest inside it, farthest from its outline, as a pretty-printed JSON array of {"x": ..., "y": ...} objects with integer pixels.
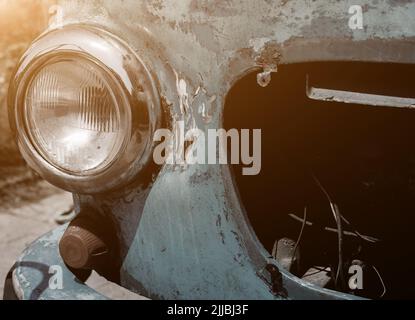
[{"x": 84, "y": 108}]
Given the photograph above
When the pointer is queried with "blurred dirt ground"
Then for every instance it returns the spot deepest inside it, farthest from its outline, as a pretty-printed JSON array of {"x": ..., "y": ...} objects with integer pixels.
[
  {"x": 20, "y": 22},
  {"x": 28, "y": 205}
]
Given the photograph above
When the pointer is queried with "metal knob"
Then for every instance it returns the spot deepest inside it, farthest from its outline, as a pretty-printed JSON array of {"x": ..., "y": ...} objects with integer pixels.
[{"x": 82, "y": 249}]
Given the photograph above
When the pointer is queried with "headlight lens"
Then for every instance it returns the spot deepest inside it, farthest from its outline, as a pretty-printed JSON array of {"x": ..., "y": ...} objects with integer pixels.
[{"x": 74, "y": 117}]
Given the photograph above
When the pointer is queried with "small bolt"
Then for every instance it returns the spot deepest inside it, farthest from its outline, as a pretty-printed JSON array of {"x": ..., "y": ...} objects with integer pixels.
[{"x": 264, "y": 78}]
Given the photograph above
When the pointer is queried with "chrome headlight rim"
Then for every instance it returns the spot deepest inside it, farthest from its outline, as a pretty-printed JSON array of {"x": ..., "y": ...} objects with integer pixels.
[{"x": 139, "y": 94}]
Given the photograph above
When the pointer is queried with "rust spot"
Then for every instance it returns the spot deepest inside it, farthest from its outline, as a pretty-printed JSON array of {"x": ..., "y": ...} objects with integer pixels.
[
  {"x": 276, "y": 281},
  {"x": 269, "y": 57},
  {"x": 200, "y": 177}
]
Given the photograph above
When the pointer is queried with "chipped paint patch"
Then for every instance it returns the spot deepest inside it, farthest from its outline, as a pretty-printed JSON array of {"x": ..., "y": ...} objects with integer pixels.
[
  {"x": 16, "y": 285},
  {"x": 258, "y": 44}
]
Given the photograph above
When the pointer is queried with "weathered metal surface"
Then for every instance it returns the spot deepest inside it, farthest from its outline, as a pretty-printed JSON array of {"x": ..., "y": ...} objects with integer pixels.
[
  {"x": 183, "y": 232},
  {"x": 286, "y": 253},
  {"x": 319, "y": 276},
  {"x": 359, "y": 98},
  {"x": 185, "y": 235}
]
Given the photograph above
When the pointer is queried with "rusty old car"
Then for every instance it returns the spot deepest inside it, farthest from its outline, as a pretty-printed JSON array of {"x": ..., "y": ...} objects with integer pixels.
[{"x": 329, "y": 83}]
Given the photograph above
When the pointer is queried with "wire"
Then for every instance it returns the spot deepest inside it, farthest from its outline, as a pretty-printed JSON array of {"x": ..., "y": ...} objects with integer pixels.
[
  {"x": 345, "y": 232},
  {"x": 381, "y": 281},
  {"x": 357, "y": 233},
  {"x": 300, "y": 235},
  {"x": 319, "y": 270},
  {"x": 338, "y": 220}
]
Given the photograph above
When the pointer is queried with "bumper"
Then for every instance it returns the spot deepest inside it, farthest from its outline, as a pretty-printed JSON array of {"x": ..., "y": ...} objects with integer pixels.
[{"x": 40, "y": 274}]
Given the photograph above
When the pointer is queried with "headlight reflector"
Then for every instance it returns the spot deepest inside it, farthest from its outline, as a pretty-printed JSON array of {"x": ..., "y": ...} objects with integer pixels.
[{"x": 73, "y": 116}]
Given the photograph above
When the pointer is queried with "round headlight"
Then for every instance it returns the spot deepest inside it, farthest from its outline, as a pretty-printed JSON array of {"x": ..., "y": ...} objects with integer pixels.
[
  {"x": 84, "y": 108},
  {"x": 74, "y": 116}
]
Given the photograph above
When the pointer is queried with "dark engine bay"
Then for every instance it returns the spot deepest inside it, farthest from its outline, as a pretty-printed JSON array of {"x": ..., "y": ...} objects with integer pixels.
[{"x": 337, "y": 184}]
